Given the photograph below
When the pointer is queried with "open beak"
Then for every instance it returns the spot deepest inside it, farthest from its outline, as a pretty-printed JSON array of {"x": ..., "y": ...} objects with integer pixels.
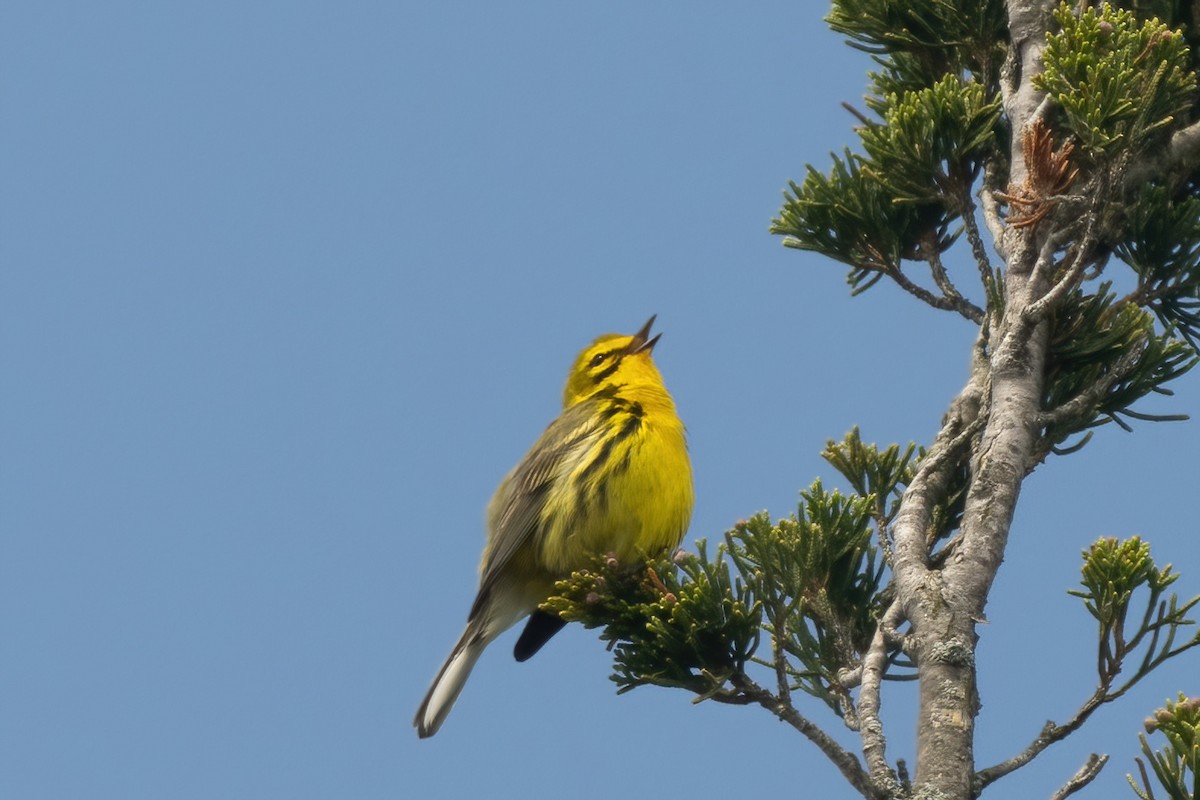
[{"x": 641, "y": 342}]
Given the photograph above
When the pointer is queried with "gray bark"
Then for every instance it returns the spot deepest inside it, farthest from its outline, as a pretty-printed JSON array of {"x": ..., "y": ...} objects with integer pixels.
[{"x": 993, "y": 423}]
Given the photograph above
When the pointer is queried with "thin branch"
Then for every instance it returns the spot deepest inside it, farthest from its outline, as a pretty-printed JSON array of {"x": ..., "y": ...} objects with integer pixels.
[
  {"x": 982, "y": 262},
  {"x": 954, "y": 445},
  {"x": 1146, "y": 296},
  {"x": 846, "y": 762},
  {"x": 890, "y": 624},
  {"x": 1070, "y": 279},
  {"x": 879, "y": 513},
  {"x": 1149, "y": 664},
  {"x": 962, "y": 421},
  {"x": 949, "y": 291},
  {"x": 1050, "y": 734},
  {"x": 1086, "y": 774},
  {"x": 1042, "y": 110},
  {"x": 945, "y": 303},
  {"x": 1022, "y": 327},
  {"x": 938, "y": 270},
  {"x": 870, "y": 726},
  {"x": 1089, "y": 398},
  {"x": 779, "y": 636},
  {"x": 993, "y": 219}
]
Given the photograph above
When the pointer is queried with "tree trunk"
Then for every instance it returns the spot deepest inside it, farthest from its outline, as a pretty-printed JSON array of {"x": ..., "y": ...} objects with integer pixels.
[{"x": 944, "y": 602}]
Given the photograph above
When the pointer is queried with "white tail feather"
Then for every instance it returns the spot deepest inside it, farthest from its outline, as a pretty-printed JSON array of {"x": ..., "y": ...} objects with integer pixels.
[
  {"x": 498, "y": 614},
  {"x": 449, "y": 683}
]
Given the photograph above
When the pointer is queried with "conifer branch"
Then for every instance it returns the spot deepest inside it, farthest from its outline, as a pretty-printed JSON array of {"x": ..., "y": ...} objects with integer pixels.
[{"x": 1081, "y": 98}]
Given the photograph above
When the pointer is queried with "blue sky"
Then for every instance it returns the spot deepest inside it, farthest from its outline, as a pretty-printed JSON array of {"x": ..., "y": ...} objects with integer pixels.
[{"x": 288, "y": 287}]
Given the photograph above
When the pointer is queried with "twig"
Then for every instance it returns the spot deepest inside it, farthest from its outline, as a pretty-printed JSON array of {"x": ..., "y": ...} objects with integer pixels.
[
  {"x": 982, "y": 262},
  {"x": 938, "y": 270},
  {"x": 1100, "y": 193},
  {"x": 1144, "y": 295},
  {"x": 1033, "y": 311},
  {"x": 1086, "y": 774},
  {"x": 949, "y": 290},
  {"x": 944, "y": 303},
  {"x": 846, "y": 762},
  {"x": 1089, "y": 398},
  {"x": 779, "y": 635},
  {"x": 1036, "y": 309},
  {"x": 1151, "y": 662},
  {"x": 1065, "y": 451},
  {"x": 881, "y": 529},
  {"x": 1050, "y": 734}
]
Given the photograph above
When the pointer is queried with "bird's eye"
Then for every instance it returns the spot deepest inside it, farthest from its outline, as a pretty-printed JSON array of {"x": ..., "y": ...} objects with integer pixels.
[{"x": 598, "y": 359}]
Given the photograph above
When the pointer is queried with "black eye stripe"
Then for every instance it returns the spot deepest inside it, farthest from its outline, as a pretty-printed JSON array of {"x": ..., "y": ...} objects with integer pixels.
[{"x": 599, "y": 358}]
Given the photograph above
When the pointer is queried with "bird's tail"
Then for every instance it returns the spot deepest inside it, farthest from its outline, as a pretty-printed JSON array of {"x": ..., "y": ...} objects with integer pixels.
[{"x": 450, "y": 681}]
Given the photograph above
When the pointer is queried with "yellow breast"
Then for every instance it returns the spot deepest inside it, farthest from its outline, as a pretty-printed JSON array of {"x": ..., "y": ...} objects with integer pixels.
[{"x": 627, "y": 490}]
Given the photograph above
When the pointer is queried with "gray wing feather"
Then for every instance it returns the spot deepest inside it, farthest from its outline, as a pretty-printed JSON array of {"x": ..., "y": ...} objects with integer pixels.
[{"x": 515, "y": 511}]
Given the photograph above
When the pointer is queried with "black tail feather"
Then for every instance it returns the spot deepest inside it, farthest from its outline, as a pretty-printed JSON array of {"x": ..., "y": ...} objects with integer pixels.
[{"x": 538, "y": 630}]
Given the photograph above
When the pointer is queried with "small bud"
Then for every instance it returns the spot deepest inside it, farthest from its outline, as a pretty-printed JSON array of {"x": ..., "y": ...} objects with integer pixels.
[
  {"x": 593, "y": 598},
  {"x": 1150, "y": 724},
  {"x": 669, "y": 599},
  {"x": 1105, "y": 26},
  {"x": 680, "y": 556},
  {"x": 610, "y": 560}
]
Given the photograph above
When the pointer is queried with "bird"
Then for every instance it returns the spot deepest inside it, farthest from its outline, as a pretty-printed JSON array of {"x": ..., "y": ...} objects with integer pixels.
[{"x": 611, "y": 476}]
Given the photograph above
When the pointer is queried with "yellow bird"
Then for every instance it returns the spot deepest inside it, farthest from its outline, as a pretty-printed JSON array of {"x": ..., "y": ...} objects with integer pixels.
[{"x": 610, "y": 475}]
